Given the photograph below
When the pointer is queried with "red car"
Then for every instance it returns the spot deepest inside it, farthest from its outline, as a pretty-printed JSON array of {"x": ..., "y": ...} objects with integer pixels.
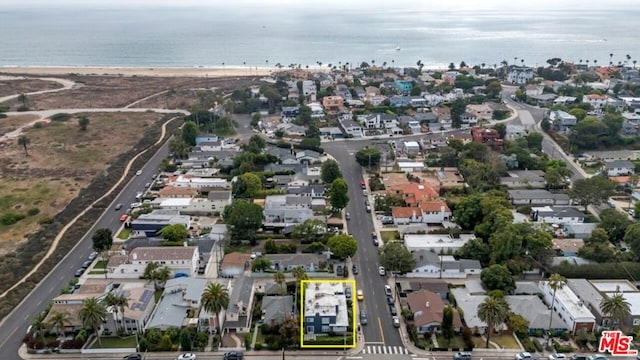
[
  {"x": 363, "y": 184},
  {"x": 124, "y": 217}
]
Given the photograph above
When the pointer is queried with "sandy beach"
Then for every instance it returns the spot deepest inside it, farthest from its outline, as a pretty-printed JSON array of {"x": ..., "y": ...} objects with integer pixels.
[{"x": 143, "y": 71}]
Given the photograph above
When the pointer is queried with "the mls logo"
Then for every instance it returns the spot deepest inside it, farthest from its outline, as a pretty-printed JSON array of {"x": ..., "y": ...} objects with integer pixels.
[{"x": 616, "y": 343}]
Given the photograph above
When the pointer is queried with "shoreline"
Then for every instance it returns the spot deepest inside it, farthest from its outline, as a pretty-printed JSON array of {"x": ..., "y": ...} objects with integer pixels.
[{"x": 213, "y": 72}]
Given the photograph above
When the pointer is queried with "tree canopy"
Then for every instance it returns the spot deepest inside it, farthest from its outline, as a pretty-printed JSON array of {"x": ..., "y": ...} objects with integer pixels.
[
  {"x": 189, "y": 133},
  {"x": 102, "y": 240},
  {"x": 248, "y": 185},
  {"x": 243, "y": 220},
  {"x": 497, "y": 277},
  {"x": 175, "y": 232},
  {"x": 368, "y": 156},
  {"x": 330, "y": 171},
  {"x": 338, "y": 194},
  {"x": 395, "y": 257},
  {"x": 343, "y": 245},
  {"x": 309, "y": 231},
  {"x": 591, "y": 191}
]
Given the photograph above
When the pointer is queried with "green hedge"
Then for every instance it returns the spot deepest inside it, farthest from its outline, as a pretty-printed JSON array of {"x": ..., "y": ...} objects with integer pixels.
[
  {"x": 327, "y": 340},
  {"x": 624, "y": 270}
]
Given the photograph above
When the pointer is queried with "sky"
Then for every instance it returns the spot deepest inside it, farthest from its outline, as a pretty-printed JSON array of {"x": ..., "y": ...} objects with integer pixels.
[{"x": 339, "y": 4}]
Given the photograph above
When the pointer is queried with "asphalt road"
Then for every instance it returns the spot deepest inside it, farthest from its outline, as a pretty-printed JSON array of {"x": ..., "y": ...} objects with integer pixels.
[{"x": 14, "y": 325}]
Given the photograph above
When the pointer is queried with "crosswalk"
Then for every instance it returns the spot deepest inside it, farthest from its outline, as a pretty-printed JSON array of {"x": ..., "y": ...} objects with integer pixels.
[{"x": 379, "y": 349}]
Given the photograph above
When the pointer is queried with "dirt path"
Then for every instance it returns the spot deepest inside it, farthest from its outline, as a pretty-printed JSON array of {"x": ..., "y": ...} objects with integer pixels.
[
  {"x": 146, "y": 98},
  {"x": 66, "y": 85}
]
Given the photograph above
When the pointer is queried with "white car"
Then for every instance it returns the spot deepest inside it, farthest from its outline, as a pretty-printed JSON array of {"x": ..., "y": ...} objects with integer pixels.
[
  {"x": 557, "y": 356},
  {"x": 187, "y": 356},
  {"x": 381, "y": 271},
  {"x": 138, "y": 173},
  {"x": 387, "y": 290},
  {"x": 523, "y": 356}
]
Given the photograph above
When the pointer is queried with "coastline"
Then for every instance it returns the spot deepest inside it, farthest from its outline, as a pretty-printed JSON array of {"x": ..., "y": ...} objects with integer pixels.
[{"x": 139, "y": 71}]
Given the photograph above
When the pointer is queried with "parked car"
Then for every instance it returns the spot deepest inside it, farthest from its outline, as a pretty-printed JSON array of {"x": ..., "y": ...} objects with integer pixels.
[
  {"x": 347, "y": 216},
  {"x": 93, "y": 255},
  {"x": 118, "y": 206},
  {"x": 579, "y": 357},
  {"x": 347, "y": 292},
  {"x": 381, "y": 271},
  {"x": 597, "y": 357},
  {"x": 557, "y": 356},
  {"x": 146, "y": 185},
  {"x": 364, "y": 192},
  {"x": 374, "y": 235},
  {"x": 139, "y": 172},
  {"x": 355, "y": 270},
  {"x": 387, "y": 290},
  {"x": 79, "y": 272},
  {"x": 387, "y": 220},
  {"x": 375, "y": 242},
  {"x": 523, "y": 356},
  {"x": 390, "y": 300},
  {"x": 462, "y": 356},
  {"x": 363, "y": 317},
  {"x": 396, "y": 321},
  {"x": 86, "y": 264},
  {"x": 368, "y": 208},
  {"x": 360, "y": 295},
  {"x": 133, "y": 357},
  {"x": 187, "y": 356},
  {"x": 233, "y": 355},
  {"x": 339, "y": 270},
  {"x": 393, "y": 310}
]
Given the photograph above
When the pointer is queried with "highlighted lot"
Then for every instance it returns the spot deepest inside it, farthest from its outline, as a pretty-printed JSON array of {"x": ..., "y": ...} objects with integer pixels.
[{"x": 328, "y": 314}]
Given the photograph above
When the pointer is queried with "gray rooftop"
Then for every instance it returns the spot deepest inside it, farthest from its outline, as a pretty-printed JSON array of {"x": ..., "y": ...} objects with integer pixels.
[
  {"x": 561, "y": 211},
  {"x": 171, "y": 311},
  {"x": 534, "y": 194},
  {"x": 277, "y": 308},
  {"x": 219, "y": 195},
  {"x": 527, "y": 287},
  {"x": 241, "y": 293},
  {"x": 625, "y": 164},
  {"x": 585, "y": 292},
  {"x": 285, "y": 260},
  {"x": 533, "y": 309}
]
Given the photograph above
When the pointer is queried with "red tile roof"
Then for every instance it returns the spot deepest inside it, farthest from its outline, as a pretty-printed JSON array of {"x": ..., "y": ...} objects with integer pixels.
[
  {"x": 405, "y": 212},
  {"x": 413, "y": 193},
  {"x": 427, "y": 308},
  {"x": 434, "y": 206}
]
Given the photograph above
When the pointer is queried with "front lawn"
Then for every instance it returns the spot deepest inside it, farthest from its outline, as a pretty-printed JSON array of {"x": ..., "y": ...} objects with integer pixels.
[
  {"x": 389, "y": 235},
  {"x": 454, "y": 342},
  {"x": 100, "y": 265},
  {"x": 124, "y": 234},
  {"x": 245, "y": 249},
  {"x": 506, "y": 341},
  {"x": 112, "y": 342}
]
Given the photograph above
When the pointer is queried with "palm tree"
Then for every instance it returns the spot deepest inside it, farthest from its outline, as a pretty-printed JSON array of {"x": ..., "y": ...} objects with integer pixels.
[
  {"x": 299, "y": 274},
  {"x": 556, "y": 282},
  {"x": 610, "y": 58},
  {"x": 616, "y": 307},
  {"x": 278, "y": 277},
  {"x": 628, "y": 58},
  {"x": 24, "y": 141},
  {"x": 59, "y": 320},
  {"x": 122, "y": 302},
  {"x": 214, "y": 299},
  {"x": 493, "y": 311},
  {"x": 162, "y": 275},
  {"x": 93, "y": 313},
  {"x": 634, "y": 64},
  {"x": 150, "y": 269},
  {"x": 38, "y": 325},
  {"x": 111, "y": 301}
]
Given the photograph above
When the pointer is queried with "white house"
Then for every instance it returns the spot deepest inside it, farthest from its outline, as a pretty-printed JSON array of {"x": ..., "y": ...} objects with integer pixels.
[
  {"x": 568, "y": 307},
  {"x": 560, "y": 215},
  {"x": 317, "y": 111},
  {"x": 411, "y": 147},
  {"x": 215, "y": 202},
  {"x": 197, "y": 182},
  {"x": 325, "y": 308},
  {"x": 519, "y": 75},
  {"x": 179, "y": 259},
  {"x": 352, "y": 128},
  {"x": 595, "y": 100},
  {"x": 309, "y": 89},
  {"x": 563, "y": 120},
  {"x": 619, "y": 167},
  {"x": 437, "y": 242},
  {"x": 411, "y": 166},
  {"x": 415, "y": 127},
  {"x": 288, "y": 209},
  {"x": 432, "y": 265},
  {"x": 480, "y": 111}
]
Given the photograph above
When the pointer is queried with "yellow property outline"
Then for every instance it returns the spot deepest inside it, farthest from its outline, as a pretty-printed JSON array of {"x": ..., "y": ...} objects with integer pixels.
[{"x": 354, "y": 328}]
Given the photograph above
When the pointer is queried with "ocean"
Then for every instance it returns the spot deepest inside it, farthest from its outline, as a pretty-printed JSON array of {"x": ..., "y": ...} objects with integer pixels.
[{"x": 216, "y": 36}]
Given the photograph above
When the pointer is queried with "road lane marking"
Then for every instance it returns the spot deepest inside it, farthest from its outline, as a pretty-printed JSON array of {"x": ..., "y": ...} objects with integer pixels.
[{"x": 380, "y": 326}]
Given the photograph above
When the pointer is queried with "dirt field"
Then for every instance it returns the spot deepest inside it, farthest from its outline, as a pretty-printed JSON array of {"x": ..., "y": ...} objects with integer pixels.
[
  {"x": 12, "y": 123},
  {"x": 116, "y": 92},
  {"x": 11, "y": 87},
  {"x": 62, "y": 160}
]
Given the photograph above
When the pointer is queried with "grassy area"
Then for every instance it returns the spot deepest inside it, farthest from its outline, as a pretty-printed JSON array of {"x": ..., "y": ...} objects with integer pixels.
[
  {"x": 245, "y": 249},
  {"x": 157, "y": 295},
  {"x": 100, "y": 265},
  {"x": 260, "y": 336},
  {"x": 115, "y": 342},
  {"x": 591, "y": 169},
  {"x": 455, "y": 342},
  {"x": 331, "y": 340},
  {"x": 124, "y": 234},
  {"x": 389, "y": 235},
  {"x": 506, "y": 341},
  {"x": 97, "y": 272}
]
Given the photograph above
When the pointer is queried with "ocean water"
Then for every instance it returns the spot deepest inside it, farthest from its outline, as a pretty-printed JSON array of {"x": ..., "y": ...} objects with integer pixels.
[{"x": 212, "y": 36}]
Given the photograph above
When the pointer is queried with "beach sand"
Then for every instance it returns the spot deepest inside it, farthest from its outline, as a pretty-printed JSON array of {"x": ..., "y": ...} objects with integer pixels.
[{"x": 142, "y": 71}]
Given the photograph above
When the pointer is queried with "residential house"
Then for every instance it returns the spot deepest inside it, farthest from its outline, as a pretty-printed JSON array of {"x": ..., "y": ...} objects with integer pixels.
[
  {"x": 293, "y": 130},
  {"x": 413, "y": 193},
  {"x": 448, "y": 178},
  {"x": 330, "y": 132},
  {"x": 563, "y": 121},
  {"x": 343, "y": 91},
  {"x": 410, "y": 166},
  {"x": 515, "y": 131},
  {"x": 411, "y": 147},
  {"x": 439, "y": 243},
  {"x": 543, "y": 100},
  {"x": 415, "y": 127},
  {"x": 619, "y": 167},
  {"x": 197, "y": 182},
  {"x": 579, "y": 230},
  {"x": 325, "y": 308},
  {"x": 568, "y": 307},
  {"x": 537, "y": 197},
  {"x": 314, "y": 191},
  {"x": 288, "y": 262},
  {"x": 468, "y": 119},
  {"x": 567, "y": 247},
  {"x": 520, "y": 75},
  {"x": 443, "y": 114},
  {"x": 290, "y": 112},
  {"x": 352, "y": 128},
  {"x": 307, "y": 156},
  {"x": 400, "y": 100},
  {"x": 490, "y": 137},
  {"x": 590, "y": 297},
  {"x": 597, "y": 102},
  {"x": 431, "y": 265},
  {"x": 481, "y": 111},
  {"x": 333, "y": 103},
  {"x": 194, "y": 206},
  {"x": 206, "y": 138},
  {"x": 317, "y": 111},
  {"x": 378, "y": 121},
  {"x": 219, "y": 199},
  {"x": 360, "y": 92},
  {"x": 405, "y": 286},
  {"x": 153, "y": 222},
  {"x": 238, "y": 314},
  {"x": 524, "y": 179},
  {"x": 565, "y": 100},
  {"x": 404, "y": 87},
  {"x": 234, "y": 264},
  {"x": 406, "y": 215},
  {"x": 557, "y": 215},
  {"x": 427, "y": 308},
  {"x": 180, "y": 295},
  {"x": 287, "y": 209},
  {"x": 435, "y": 211},
  {"x": 181, "y": 260},
  {"x": 309, "y": 89},
  {"x": 628, "y": 291},
  {"x": 277, "y": 309},
  {"x": 71, "y": 304}
]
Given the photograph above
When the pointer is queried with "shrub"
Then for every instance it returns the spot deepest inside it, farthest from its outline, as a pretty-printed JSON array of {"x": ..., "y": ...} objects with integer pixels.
[
  {"x": 467, "y": 337},
  {"x": 11, "y": 218},
  {"x": 45, "y": 220},
  {"x": 258, "y": 345},
  {"x": 22, "y": 108},
  {"x": 315, "y": 247},
  {"x": 72, "y": 344},
  {"x": 33, "y": 211},
  {"x": 60, "y": 117},
  {"x": 4, "y": 116},
  {"x": 528, "y": 344},
  {"x": 274, "y": 344},
  {"x": 247, "y": 341}
]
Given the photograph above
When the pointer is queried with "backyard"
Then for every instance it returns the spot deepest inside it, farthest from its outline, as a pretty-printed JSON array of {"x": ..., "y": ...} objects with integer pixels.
[{"x": 389, "y": 235}]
